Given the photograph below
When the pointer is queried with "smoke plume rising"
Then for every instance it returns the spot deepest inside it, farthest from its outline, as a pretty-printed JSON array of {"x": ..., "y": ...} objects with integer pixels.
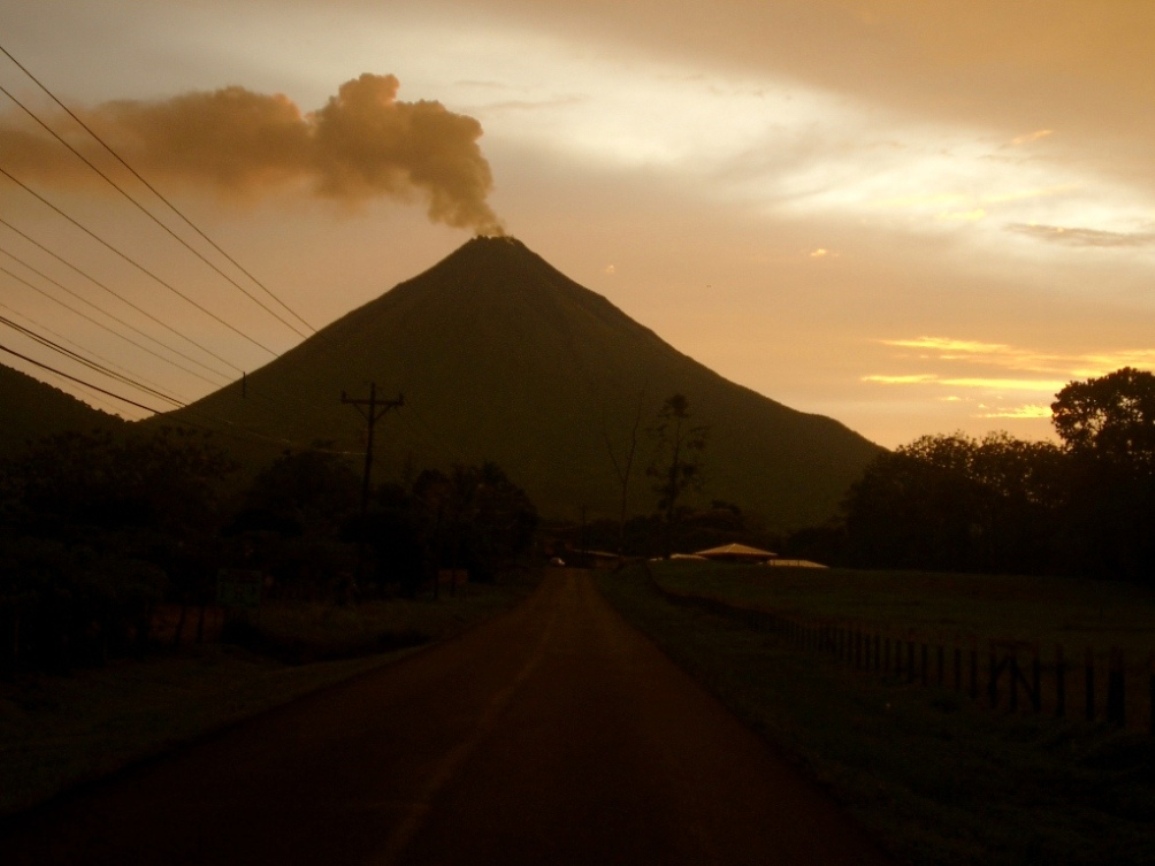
[{"x": 362, "y": 144}]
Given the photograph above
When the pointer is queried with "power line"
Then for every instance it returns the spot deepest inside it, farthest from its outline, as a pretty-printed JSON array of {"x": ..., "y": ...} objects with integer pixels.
[
  {"x": 97, "y": 355},
  {"x": 128, "y": 303},
  {"x": 154, "y": 190},
  {"x": 87, "y": 362},
  {"x": 140, "y": 267},
  {"x": 105, "y": 327},
  {"x": 135, "y": 263},
  {"x": 273, "y": 403},
  {"x": 149, "y": 186},
  {"x": 79, "y": 381},
  {"x": 150, "y": 214}
]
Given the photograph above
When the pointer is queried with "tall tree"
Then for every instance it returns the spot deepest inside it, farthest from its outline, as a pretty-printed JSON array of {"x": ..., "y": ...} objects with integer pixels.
[
  {"x": 678, "y": 461},
  {"x": 1111, "y": 417},
  {"x": 953, "y": 502},
  {"x": 624, "y": 465},
  {"x": 481, "y": 519},
  {"x": 1107, "y": 424},
  {"x": 312, "y": 490}
]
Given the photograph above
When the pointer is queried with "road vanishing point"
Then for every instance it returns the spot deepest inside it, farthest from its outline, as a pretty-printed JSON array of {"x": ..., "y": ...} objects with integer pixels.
[{"x": 554, "y": 734}]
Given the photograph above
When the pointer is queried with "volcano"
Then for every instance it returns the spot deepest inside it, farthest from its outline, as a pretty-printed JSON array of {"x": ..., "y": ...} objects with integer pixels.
[{"x": 501, "y": 357}]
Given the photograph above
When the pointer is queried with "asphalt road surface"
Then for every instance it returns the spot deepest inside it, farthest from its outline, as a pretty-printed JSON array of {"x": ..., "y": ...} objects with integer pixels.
[{"x": 555, "y": 734}]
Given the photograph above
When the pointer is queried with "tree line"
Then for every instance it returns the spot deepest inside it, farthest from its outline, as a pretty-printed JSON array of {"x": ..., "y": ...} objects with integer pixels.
[
  {"x": 97, "y": 529},
  {"x": 1083, "y": 505}
]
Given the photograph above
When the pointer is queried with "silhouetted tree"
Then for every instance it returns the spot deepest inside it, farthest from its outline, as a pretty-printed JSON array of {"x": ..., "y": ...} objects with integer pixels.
[
  {"x": 953, "y": 503},
  {"x": 1107, "y": 425},
  {"x": 1109, "y": 418},
  {"x": 98, "y": 526},
  {"x": 677, "y": 463},
  {"x": 624, "y": 466},
  {"x": 481, "y": 520},
  {"x": 393, "y": 528},
  {"x": 309, "y": 491},
  {"x": 170, "y": 480}
]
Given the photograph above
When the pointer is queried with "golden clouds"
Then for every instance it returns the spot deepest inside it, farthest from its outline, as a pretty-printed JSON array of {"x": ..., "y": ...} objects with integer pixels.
[
  {"x": 1083, "y": 237},
  {"x": 1019, "y": 140},
  {"x": 1029, "y": 412},
  {"x": 363, "y": 144},
  {"x": 992, "y": 383},
  {"x": 946, "y": 344},
  {"x": 1001, "y": 356},
  {"x": 994, "y": 379}
]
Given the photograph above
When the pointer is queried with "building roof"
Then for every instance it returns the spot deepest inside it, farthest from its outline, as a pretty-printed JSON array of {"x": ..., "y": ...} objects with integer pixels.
[{"x": 736, "y": 551}]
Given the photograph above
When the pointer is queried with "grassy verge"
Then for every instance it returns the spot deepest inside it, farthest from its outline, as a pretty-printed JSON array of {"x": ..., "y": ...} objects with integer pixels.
[
  {"x": 1049, "y": 610},
  {"x": 938, "y": 780},
  {"x": 56, "y": 732}
]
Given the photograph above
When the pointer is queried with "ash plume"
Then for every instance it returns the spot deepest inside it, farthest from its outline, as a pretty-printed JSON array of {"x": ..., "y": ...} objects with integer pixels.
[{"x": 363, "y": 144}]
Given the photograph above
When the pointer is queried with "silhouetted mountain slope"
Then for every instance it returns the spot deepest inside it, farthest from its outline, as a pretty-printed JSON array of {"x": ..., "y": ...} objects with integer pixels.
[
  {"x": 30, "y": 410},
  {"x": 502, "y": 357}
]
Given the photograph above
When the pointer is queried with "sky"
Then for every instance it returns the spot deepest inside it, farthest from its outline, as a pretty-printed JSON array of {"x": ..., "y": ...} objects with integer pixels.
[{"x": 914, "y": 217}]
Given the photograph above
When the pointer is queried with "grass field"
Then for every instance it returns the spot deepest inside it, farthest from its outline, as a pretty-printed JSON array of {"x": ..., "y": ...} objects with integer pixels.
[
  {"x": 1049, "y": 611},
  {"x": 937, "y": 778},
  {"x": 57, "y": 731}
]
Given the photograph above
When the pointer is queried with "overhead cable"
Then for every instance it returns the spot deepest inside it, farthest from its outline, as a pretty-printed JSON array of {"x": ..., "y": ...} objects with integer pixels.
[
  {"x": 105, "y": 327},
  {"x": 87, "y": 362},
  {"x": 77, "y": 380},
  {"x": 127, "y": 302},
  {"x": 135, "y": 263},
  {"x": 152, "y": 216},
  {"x": 154, "y": 190},
  {"x": 90, "y": 352}
]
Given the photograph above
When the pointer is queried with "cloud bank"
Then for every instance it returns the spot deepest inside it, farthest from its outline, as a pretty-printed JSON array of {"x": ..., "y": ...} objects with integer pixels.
[
  {"x": 1083, "y": 237},
  {"x": 363, "y": 144}
]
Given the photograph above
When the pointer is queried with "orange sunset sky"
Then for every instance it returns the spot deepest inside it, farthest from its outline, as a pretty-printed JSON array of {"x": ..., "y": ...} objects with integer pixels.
[{"x": 914, "y": 217}]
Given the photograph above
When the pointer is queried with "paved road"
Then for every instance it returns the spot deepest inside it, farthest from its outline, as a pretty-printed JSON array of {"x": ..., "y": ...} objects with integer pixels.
[{"x": 553, "y": 735}]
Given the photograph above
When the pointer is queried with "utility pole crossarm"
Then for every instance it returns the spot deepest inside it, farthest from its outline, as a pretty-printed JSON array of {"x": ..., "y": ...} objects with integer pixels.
[{"x": 372, "y": 410}]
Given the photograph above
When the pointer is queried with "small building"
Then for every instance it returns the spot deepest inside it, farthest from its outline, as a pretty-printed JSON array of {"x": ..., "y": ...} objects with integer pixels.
[{"x": 736, "y": 553}]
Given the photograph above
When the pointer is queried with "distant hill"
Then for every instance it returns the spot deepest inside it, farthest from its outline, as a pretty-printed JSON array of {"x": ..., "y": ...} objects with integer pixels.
[
  {"x": 31, "y": 409},
  {"x": 501, "y": 357}
]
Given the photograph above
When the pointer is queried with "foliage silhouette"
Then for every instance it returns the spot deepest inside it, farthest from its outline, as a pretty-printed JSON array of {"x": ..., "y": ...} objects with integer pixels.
[
  {"x": 1000, "y": 504},
  {"x": 677, "y": 464}
]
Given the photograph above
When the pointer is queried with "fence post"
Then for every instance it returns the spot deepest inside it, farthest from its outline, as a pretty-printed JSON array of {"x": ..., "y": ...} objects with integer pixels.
[
  {"x": 923, "y": 659},
  {"x": 1060, "y": 683},
  {"x": 1014, "y": 681},
  {"x": 974, "y": 671},
  {"x": 1116, "y": 689},
  {"x": 1089, "y": 673},
  {"x": 1036, "y": 681},
  {"x": 993, "y": 681},
  {"x": 940, "y": 653},
  {"x": 1151, "y": 694}
]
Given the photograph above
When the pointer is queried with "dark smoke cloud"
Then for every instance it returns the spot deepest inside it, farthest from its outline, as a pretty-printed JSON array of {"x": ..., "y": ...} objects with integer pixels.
[{"x": 363, "y": 144}]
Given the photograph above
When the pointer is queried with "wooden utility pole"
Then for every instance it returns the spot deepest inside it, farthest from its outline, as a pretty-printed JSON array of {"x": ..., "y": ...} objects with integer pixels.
[{"x": 371, "y": 410}]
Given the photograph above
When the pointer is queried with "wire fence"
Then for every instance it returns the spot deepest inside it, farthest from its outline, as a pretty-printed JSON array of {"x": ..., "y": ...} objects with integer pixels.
[{"x": 1092, "y": 684}]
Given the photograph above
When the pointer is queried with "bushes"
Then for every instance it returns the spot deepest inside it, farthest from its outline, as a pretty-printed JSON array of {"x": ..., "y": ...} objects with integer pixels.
[
  {"x": 64, "y": 605},
  {"x": 96, "y": 529}
]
